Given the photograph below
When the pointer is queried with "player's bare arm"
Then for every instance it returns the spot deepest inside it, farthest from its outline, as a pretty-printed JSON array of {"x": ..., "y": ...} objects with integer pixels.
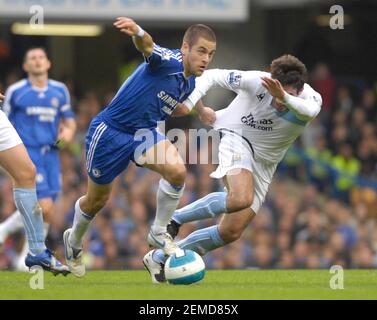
[
  {"x": 206, "y": 114},
  {"x": 1, "y": 97},
  {"x": 305, "y": 109},
  {"x": 67, "y": 130},
  {"x": 142, "y": 40},
  {"x": 180, "y": 110}
]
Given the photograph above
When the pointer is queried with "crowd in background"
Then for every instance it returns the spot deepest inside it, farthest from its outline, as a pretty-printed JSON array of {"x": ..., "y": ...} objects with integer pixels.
[{"x": 321, "y": 208}]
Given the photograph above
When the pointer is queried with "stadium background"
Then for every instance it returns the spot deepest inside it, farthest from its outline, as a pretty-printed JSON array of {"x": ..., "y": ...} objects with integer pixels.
[{"x": 321, "y": 209}]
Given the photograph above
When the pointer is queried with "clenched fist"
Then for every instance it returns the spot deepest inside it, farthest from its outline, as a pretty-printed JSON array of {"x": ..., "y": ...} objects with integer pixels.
[{"x": 207, "y": 116}]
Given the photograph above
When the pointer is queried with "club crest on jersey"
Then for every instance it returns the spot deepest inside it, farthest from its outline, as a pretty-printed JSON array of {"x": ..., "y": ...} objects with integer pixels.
[
  {"x": 234, "y": 79},
  {"x": 54, "y": 102},
  {"x": 165, "y": 54}
]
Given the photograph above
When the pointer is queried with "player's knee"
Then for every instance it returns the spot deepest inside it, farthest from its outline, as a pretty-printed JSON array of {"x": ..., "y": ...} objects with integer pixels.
[
  {"x": 30, "y": 172},
  {"x": 25, "y": 176},
  {"x": 177, "y": 176},
  {"x": 231, "y": 234},
  {"x": 240, "y": 201}
]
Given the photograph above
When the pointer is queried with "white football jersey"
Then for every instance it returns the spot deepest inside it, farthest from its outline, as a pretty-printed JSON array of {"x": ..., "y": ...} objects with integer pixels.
[{"x": 251, "y": 113}]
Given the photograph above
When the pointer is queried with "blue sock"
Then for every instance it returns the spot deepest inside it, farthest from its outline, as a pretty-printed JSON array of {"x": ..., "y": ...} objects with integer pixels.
[
  {"x": 27, "y": 203},
  {"x": 200, "y": 241},
  {"x": 207, "y": 207}
]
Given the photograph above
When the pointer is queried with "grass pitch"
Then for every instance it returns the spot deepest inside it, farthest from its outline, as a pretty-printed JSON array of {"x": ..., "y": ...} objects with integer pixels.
[{"x": 224, "y": 285}]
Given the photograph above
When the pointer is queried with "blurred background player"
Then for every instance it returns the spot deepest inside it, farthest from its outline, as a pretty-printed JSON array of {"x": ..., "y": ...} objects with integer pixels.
[
  {"x": 270, "y": 111},
  {"x": 149, "y": 95},
  {"x": 39, "y": 109},
  {"x": 15, "y": 160}
]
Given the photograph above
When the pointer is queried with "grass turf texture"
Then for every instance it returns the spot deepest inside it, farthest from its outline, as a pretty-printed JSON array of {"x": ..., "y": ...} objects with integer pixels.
[{"x": 224, "y": 284}]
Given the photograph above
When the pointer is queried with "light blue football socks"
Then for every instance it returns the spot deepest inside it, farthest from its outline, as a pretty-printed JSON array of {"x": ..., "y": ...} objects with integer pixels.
[
  {"x": 207, "y": 207},
  {"x": 27, "y": 203},
  {"x": 203, "y": 240},
  {"x": 200, "y": 241}
]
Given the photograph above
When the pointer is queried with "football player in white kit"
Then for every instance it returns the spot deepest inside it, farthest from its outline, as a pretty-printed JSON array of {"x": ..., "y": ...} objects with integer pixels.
[{"x": 270, "y": 111}]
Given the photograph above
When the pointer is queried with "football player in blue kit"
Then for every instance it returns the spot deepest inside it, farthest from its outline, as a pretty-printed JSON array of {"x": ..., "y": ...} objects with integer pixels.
[
  {"x": 148, "y": 96},
  {"x": 40, "y": 111},
  {"x": 16, "y": 161}
]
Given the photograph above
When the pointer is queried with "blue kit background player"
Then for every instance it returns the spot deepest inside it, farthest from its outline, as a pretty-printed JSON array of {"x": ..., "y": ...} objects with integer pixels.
[
  {"x": 148, "y": 96},
  {"x": 39, "y": 109}
]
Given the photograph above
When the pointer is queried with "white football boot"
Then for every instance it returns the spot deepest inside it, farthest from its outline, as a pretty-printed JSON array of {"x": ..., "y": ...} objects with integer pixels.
[
  {"x": 73, "y": 256},
  {"x": 163, "y": 241},
  {"x": 155, "y": 269}
]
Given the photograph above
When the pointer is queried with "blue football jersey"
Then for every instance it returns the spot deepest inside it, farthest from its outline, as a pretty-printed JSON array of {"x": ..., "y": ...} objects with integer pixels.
[
  {"x": 35, "y": 113},
  {"x": 151, "y": 93}
]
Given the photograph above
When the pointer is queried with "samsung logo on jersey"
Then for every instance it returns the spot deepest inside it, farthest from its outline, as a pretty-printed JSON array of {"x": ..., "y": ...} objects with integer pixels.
[
  {"x": 170, "y": 103},
  {"x": 45, "y": 114},
  {"x": 36, "y": 111}
]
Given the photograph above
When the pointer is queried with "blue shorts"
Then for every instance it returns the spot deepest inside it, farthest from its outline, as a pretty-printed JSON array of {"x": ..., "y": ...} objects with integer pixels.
[
  {"x": 48, "y": 179},
  {"x": 109, "y": 150}
]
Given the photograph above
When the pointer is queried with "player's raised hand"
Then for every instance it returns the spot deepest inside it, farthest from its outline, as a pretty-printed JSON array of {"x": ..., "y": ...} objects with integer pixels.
[
  {"x": 274, "y": 87},
  {"x": 1, "y": 97},
  {"x": 127, "y": 26}
]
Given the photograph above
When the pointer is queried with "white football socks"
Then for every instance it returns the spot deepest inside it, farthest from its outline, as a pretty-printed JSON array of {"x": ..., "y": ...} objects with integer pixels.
[
  {"x": 167, "y": 201},
  {"x": 81, "y": 223}
]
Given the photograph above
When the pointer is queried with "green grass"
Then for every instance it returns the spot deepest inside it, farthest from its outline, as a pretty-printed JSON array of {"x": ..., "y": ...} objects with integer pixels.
[{"x": 226, "y": 284}]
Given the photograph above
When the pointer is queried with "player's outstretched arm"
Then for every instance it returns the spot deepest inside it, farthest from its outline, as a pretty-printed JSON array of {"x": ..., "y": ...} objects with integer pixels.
[
  {"x": 142, "y": 40},
  {"x": 206, "y": 115},
  {"x": 1, "y": 97},
  {"x": 305, "y": 109},
  {"x": 180, "y": 110}
]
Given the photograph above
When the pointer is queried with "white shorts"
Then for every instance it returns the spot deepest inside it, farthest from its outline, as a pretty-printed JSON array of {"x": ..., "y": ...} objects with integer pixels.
[
  {"x": 235, "y": 153},
  {"x": 9, "y": 137}
]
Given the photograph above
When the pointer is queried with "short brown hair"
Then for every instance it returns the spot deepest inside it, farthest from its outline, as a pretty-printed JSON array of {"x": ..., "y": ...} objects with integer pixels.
[
  {"x": 289, "y": 70},
  {"x": 35, "y": 48},
  {"x": 196, "y": 31}
]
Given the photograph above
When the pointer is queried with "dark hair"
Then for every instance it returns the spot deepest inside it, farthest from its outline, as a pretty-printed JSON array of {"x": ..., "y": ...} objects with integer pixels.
[
  {"x": 196, "y": 31},
  {"x": 289, "y": 70},
  {"x": 34, "y": 48}
]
